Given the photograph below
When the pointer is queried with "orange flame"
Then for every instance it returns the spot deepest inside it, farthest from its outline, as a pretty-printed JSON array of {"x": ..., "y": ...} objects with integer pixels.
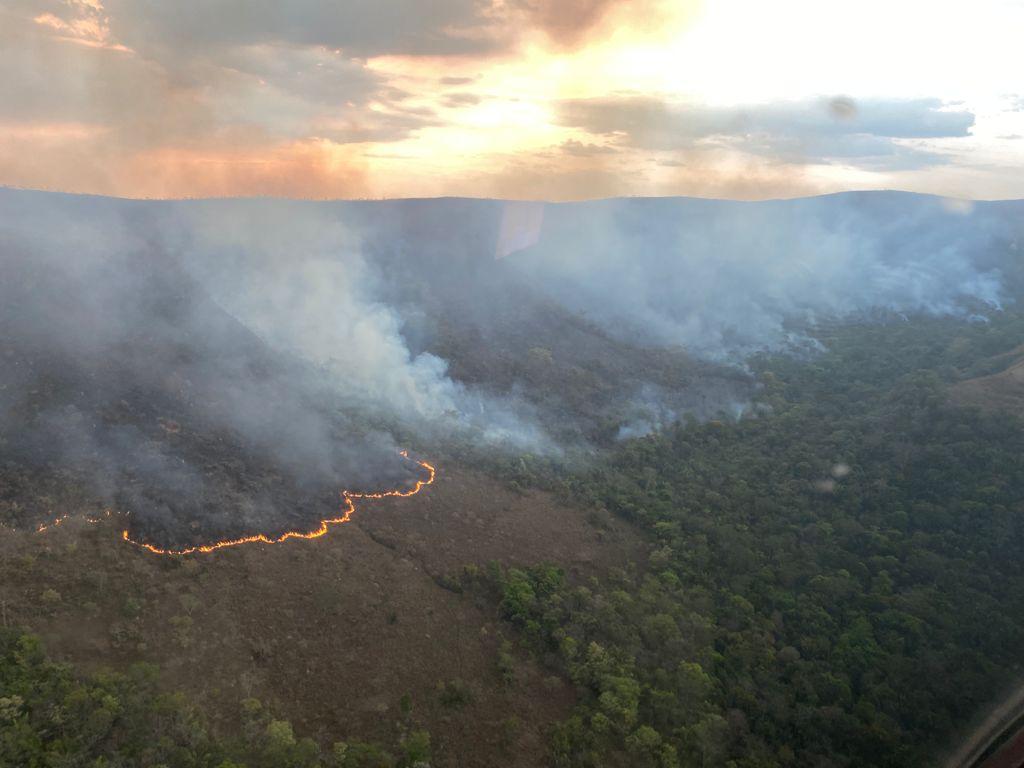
[
  {"x": 349, "y": 508},
  {"x": 52, "y": 524},
  {"x": 324, "y": 526},
  {"x": 57, "y": 521}
]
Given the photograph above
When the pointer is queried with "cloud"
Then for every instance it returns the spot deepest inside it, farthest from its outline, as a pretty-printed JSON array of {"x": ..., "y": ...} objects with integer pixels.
[
  {"x": 584, "y": 149},
  {"x": 365, "y": 28},
  {"x": 565, "y": 21},
  {"x": 96, "y": 92},
  {"x": 315, "y": 75},
  {"x": 574, "y": 23},
  {"x": 47, "y": 79},
  {"x": 83, "y": 111},
  {"x": 374, "y": 125},
  {"x": 258, "y": 91},
  {"x": 809, "y": 131},
  {"x": 360, "y": 28},
  {"x": 456, "y": 100}
]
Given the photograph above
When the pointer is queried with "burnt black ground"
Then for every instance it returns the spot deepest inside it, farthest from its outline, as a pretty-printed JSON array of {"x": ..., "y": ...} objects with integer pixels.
[{"x": 99, "y": 412}]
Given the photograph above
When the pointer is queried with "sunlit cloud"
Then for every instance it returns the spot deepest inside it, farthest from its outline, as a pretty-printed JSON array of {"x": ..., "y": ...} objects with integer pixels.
[
  {"x": 523, "y": 98},
  {"x": 82, "y": 21}
]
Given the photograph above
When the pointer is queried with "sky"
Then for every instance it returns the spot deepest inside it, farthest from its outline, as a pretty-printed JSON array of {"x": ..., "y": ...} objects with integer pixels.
[{"x": 525, "y": 99}]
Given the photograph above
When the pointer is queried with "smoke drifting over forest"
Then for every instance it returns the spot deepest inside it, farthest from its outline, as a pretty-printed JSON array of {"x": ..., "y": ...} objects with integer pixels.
[
  {"x": 223, "y": 366},
  {"x": 724, "y": 279}
]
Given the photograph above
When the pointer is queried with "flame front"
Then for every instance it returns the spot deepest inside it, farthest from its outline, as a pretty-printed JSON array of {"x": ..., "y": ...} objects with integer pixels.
[{"x": 349, "y": 508}]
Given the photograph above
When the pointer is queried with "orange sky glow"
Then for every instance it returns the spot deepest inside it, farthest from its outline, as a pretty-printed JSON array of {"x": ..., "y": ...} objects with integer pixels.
[{"x": 529, "y": 99}]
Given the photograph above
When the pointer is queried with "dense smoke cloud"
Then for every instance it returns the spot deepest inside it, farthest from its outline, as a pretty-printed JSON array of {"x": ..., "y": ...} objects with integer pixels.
[
  {"x": 299, "y": 277},
  {"x": 123, "y": 372},
  {"x": 224, "y": 366},
  {"x": 725, "y": 279}
]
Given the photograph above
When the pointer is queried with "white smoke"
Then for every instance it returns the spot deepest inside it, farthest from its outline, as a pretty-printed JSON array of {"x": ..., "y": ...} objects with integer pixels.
[
  {"x": 298, "y": 277},
  {"x": 727, "y": 279},
  {"x": 721, "y": 279}
]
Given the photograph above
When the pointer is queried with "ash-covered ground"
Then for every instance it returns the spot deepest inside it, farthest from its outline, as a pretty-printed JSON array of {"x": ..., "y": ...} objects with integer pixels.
[{"x": 125, "y": 386}]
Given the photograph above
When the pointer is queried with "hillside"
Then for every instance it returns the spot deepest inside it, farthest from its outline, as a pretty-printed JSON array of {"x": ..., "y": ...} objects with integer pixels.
[
  {"x": 706, "y": 488},
  {"x": 328, "y": 634},
  {"x": 997, "y": 391}
]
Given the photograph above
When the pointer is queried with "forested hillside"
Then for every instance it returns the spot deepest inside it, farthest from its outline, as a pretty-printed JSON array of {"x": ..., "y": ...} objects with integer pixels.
[
  {"x": 717, "y": 483},
  {"x": 837, "y": 582},
  {"x": 51, "y": 717}
]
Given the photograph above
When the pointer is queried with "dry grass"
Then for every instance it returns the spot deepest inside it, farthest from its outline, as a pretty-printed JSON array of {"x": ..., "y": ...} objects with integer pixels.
[{"x": 333, "y": 632}]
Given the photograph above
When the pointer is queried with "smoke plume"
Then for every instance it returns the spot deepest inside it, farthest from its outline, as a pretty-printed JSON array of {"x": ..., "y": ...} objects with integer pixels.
[{"x": 223, "y": 367}]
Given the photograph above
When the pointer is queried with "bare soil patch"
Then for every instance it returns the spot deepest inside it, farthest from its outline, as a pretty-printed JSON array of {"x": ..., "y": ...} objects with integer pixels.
[{"x": 999, "y": 391}]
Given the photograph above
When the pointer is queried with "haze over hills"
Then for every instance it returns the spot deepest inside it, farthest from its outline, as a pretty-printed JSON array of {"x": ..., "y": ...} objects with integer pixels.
[
  {"x": 720, "y": 446},
  {"x": 519, "y": 383},
  {"x": 306, "y": 335}
]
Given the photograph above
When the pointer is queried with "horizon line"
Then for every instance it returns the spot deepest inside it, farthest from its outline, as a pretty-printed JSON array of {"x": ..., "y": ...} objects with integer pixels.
[{"x": 210, "y": 198}]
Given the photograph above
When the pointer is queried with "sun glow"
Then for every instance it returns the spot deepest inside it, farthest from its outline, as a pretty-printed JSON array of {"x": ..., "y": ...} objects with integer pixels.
[{"x": 286, "y": 118}]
